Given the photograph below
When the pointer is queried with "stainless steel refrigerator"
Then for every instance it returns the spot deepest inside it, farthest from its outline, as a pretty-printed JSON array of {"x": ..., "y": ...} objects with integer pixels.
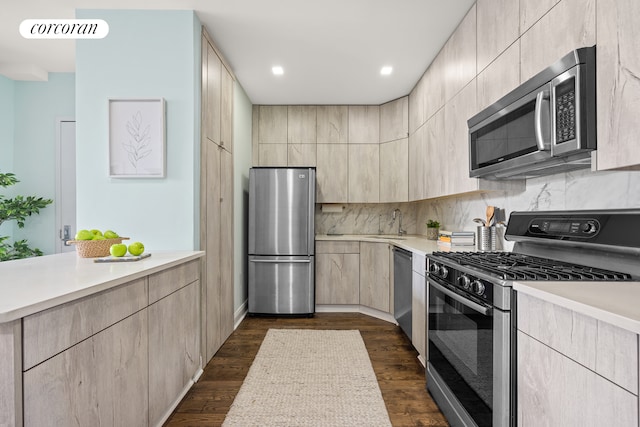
[{"x": 282, "y": 240}]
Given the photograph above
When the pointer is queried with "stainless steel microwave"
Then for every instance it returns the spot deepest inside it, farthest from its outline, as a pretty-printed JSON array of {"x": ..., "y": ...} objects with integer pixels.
[{"x": 547, "y": 125}]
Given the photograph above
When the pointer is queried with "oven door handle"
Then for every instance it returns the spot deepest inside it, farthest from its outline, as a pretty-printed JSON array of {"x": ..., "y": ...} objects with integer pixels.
[{"x": 462, "y": 300}]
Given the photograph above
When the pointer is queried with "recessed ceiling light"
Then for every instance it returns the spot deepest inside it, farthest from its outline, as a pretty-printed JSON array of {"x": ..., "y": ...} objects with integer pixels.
[
  {"x": 277, "y": 70},
  {"x": 386, "y": 70}
]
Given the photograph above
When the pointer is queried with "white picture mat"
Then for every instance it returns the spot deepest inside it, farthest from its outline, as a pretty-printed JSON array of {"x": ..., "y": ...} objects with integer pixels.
[{"x": 137, "y": 138}]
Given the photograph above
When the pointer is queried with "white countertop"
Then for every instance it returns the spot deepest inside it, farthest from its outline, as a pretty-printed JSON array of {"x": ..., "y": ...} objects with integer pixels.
[
  {"x": 616, "y": 303},
  {"x": 34, "y": 284},
  {"x": 415, "y": 243}
]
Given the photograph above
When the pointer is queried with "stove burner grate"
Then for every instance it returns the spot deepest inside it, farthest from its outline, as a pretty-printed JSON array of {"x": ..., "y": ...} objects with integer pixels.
[{"x": 515, "y": 266}]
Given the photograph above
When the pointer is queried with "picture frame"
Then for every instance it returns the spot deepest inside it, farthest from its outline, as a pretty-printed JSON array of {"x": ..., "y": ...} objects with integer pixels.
[{"x": 137, "y": 142}]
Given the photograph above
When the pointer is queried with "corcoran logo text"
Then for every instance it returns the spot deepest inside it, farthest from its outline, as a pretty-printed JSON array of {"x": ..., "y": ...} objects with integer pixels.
[{"x": 64, "y": 29}]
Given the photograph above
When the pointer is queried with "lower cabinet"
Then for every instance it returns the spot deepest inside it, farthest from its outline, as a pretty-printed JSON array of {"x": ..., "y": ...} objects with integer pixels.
[
  {"x": 375, "y": 275},
  {"x": 337, "y": 273},
  {"x": 574, "y": 370},
  {"x": 101, "y": 380},
  {"x": 128, "y": 370},
  {"x": 419, "y": 312},
  {"x": 174, "y": 348}
]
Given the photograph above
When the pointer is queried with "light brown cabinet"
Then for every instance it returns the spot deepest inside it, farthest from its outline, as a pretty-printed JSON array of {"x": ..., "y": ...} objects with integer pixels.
[
  {"x": 174, "y": 349},
  {"x": 394, "y": 120},
  {"x": 364, "y": 124},
  {"x": 132, "y": 352},
  {"x": 104, "y": 377},
  {"x": 498, "y": 78},
  {"x": 375, "y": 275},
  {"x": 573, "y": 369},
  {"x": 332, "y": 174},
  {"x": 211, "y": 92},
  {"x": 494, "y": 39},
  {"x": 364, "y": 173},
  {"x": 337, "y": 273},
  {"x": 394, "y": 171},
  {"x": 459, "y": 53},
  {"x": 226, "y": 110},
  {"x": 618, "y": 86},
  {"x": 216, "y": 215},
  {"x": 332, "y": 124},
  {"x": 570, "y": 24}
]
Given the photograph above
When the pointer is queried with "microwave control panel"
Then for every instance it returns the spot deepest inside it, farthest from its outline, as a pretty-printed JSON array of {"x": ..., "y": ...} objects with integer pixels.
[{"x": 566, "y": 128}]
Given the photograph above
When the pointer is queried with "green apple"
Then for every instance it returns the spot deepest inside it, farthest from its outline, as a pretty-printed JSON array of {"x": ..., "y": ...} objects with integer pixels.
[
  {"x": 136, "y": 248},
  {"x": 98, "y": 237},
  {"x": 118, "y": 250},
  {"x": 84, "y": 235},
  {"x": 109, "y": 234},
  {"x": 96, "y": 232}
]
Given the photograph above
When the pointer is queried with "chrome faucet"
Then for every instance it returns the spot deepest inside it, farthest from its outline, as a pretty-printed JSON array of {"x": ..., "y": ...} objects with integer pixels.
[{"x": 400, "y": 230}]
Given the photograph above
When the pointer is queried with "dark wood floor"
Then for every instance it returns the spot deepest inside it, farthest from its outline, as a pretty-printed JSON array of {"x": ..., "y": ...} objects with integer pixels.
[{"x": 394, "y": 360}]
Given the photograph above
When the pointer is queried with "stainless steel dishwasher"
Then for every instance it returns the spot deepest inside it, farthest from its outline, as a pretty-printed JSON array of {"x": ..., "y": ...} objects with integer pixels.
[{"x": 402, "y": 289}]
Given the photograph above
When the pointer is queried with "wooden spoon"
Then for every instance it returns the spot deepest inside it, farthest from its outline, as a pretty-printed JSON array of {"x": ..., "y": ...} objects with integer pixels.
[{"x": 490, "y": 212}]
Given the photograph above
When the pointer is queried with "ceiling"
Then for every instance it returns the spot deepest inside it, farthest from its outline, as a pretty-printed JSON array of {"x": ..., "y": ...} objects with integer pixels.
[{"x": 331, "y": 50}]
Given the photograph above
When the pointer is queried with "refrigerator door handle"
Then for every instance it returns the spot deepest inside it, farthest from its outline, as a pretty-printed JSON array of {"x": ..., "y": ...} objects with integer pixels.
[{"x": 282, "y": 261}]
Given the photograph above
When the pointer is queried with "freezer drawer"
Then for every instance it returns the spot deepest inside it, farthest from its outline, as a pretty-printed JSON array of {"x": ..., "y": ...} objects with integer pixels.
[{"x": 281, "y": 285}]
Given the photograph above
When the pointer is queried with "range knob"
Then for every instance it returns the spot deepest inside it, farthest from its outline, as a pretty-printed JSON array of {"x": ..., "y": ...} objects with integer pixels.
[
  {"x": 464, "y": 281},
  {"x": 478, "y": 287},
  {"x": 444, "y": 272},
  {"x": 434, "y": 268},
  {"x": 589, "y": 227}
]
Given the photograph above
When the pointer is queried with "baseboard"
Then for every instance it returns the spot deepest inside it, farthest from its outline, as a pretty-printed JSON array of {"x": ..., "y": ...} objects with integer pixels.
[
  {"x": 422, "y": 361},
  {"x": 240, "y": 314},
  {"x": 181, "y": 396},
  {"x": 326, "y": 308}
]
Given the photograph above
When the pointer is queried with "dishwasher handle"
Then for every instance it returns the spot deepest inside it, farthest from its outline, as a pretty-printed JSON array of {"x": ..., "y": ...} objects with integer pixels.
[{"x": 402, "y": 252}]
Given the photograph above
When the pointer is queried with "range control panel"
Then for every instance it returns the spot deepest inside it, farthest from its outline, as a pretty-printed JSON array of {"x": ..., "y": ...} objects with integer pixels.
[
  {"x": 616, "y": 228},
  {"x": 579, "y": 227}
]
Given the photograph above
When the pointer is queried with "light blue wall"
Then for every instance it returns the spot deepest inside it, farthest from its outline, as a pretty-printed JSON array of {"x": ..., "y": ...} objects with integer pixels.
[
  {"x": 242, "y": 120},
  {"x": 147, "y": 54},
  {"x": 7, "y": 95},
  {"x": 37, "y": 105}
]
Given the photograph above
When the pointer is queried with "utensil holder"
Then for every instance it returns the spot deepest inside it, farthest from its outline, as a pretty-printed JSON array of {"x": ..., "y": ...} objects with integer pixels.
[{"x": 487, "y": 238}]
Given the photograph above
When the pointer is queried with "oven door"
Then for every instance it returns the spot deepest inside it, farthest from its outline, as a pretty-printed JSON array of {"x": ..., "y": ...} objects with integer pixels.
[{"x": 469, "y": 358}]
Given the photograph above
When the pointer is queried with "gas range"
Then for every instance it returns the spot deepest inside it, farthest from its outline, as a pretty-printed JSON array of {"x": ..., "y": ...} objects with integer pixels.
[
  {"x": 550, "y": 246},
  {"x": 471, "y": 308}
]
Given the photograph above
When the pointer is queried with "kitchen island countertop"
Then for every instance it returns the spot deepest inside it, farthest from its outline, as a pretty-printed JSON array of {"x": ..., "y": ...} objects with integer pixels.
[{"x": 35, "y": 284}]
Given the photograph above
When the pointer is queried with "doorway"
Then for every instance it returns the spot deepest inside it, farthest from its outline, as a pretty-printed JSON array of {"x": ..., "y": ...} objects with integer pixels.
[{"x": 65, "y": 183}]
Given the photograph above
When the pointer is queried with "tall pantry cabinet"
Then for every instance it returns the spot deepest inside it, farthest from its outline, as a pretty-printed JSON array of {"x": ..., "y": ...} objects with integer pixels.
[{"x": 216, "y": 199}]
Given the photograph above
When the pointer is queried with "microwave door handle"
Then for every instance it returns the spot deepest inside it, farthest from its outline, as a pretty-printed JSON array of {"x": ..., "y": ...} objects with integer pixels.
[{"x": 542, "y": 106}]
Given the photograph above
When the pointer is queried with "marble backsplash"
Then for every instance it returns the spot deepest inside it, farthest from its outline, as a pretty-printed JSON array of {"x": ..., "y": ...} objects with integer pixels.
[
  {"x": 367, "y": 219},
  {"x": 577, "y": 190}
]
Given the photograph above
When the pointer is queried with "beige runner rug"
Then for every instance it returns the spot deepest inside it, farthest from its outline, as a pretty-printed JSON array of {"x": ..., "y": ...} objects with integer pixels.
[{"x": 304, "y": 377}]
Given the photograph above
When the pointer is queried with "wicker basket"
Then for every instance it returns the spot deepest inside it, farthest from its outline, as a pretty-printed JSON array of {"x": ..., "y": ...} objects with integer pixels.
[{"x": 95, "y": 248}]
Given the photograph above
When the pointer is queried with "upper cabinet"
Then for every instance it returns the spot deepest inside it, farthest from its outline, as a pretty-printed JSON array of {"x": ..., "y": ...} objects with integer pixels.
[
  {"x": 211, "y": 87},
  {"x": 364, "y": 124},
  {"x": 226, "y": 110},
  {"x": 459, "y": 54},
  {"x": 498, "y": 28},
  {"x": 332, "y": 124},
  {"x": 618, "y": 85},
  {"x": 394, "y": 120},
  {"x": 569, "y": 25}
]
